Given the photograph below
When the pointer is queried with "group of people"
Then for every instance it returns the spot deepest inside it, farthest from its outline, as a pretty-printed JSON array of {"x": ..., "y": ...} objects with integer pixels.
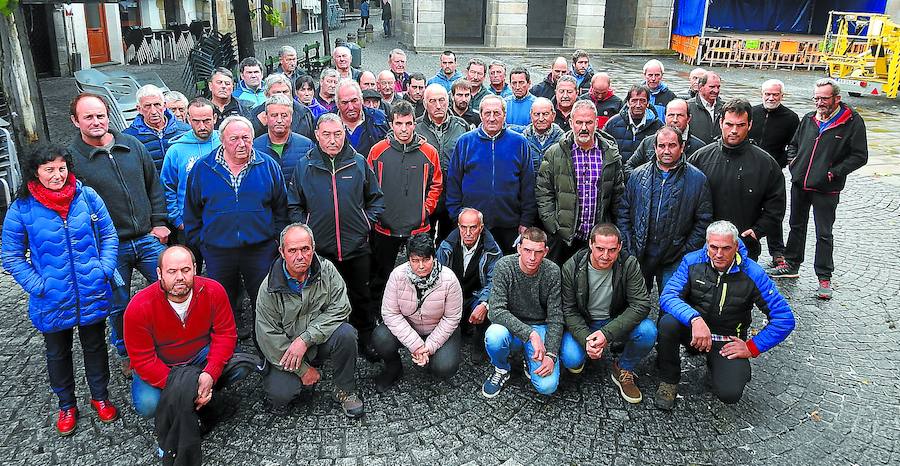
[{"x": 534, "y": 219}]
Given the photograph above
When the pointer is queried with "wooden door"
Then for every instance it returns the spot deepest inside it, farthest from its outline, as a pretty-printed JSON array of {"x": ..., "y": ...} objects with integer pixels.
[{"x": 98, "y": 43}]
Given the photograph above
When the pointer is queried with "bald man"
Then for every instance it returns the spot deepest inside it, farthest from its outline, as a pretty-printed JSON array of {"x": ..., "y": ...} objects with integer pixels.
[
  {"x": 601, "y": 94},
  {"x": 547, "y": 88}
]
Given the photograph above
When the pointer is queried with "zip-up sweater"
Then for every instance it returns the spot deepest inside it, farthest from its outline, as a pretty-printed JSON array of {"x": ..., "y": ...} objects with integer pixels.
[
  {"x": 157, "y": 142},
  {"x": 772, "y": 130},
  {"x": 302, "y": 121},
  {"x": 660, "y": 98},
  {"x": 518, "y": 111},
  {"x": 157, "y": 339},
  {"x": 627, "y": 139},
  {"x": 179, "y": 161},
  {"x": 646, "y": 152},
  {"x": 339, "y": 198},
  {"x": 538, "y": 148},
  {"x": 725, "y": 300},
  {"x": 494, "y": 175},
  {"x": 411, "y": 179},
  {"x": 838, "y": 148},
  {"x": 248, "y": 96},
  {"x": 443, "y": 80},
  {"x": 217, "y": 216},
  {"x": 295, "y": 148},
  {"x": 126, "y": 180},
  {"x": 608, "y": 105}
]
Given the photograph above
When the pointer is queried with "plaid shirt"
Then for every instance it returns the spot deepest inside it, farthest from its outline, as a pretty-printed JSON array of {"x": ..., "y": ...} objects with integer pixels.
[
  {"x": 588, "y": 165},
  {"x": 235, "y": 179}
]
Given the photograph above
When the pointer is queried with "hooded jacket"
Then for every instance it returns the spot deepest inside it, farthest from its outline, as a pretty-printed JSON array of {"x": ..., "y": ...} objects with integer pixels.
[
  {"x": 772, "y": 130},
  {"x": 546, "y": 88},
  {"x": 660, "y": 97},
  {"x": 838, "y": 148},
  {"x": 443, "y": 80},
  {"x": 247, "y": 96},
  {"x": 684, "y": 210},
  {"x": 313, "y": 314},
  {"x": 630, "y": 302},
  {"x": 627, "y": 139},
  {"x": 434, "y": 316},
  {"x": 607, "y": 105},
  {"x": 295, "y": 148},
  {"x": 179, "y": 161},
  {"x": 646, "y": 152},
  {"x": 557, "y": 189},
  {"x": 494, "y": 175},
  {"x": 725, "y": 300},
  {"x": 583, "y": 81},
  {"x": 302, "y": 121},
  {"x": 157, "y": 143},
  {"x": 71, "y": 263},
  {"x": 489, "y": 256},
  {"x": 126, "y": 180},
  {"x": 538, "y": 148},
  {"x": 339, "y": 198},
  {"x": 217, "y": 216},
  {"x": 411, "y": 179},
  {"x": 747, "y": 186},
  {"x": 705, "y": 128}
]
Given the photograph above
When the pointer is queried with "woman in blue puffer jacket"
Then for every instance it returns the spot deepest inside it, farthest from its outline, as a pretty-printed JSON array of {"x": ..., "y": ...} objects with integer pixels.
[{"x": 73, "y": 248}]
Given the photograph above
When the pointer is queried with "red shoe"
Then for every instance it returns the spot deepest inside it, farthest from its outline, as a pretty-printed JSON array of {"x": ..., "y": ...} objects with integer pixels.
[
  {"x": 67, "y": 421},
  {"x": 105, "y": 410}
]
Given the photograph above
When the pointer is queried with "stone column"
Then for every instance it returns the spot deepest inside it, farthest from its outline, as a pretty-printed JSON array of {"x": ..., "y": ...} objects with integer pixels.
[
  {"x": 652, "y": 24},
  {"x": 584, "y": 24},
  {"x": 507, "y": 24},
  {"x": 429, "y": 24}
]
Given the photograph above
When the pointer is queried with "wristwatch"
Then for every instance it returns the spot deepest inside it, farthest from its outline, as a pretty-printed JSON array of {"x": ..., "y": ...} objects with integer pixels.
[{"x": 552, "y": 356}]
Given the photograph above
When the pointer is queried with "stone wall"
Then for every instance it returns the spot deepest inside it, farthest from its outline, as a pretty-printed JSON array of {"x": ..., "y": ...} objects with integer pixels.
[
  {"x": 584, "y": 24},
  {"x": 507, "y": 24},
  {"x": 652, "y": 28}
]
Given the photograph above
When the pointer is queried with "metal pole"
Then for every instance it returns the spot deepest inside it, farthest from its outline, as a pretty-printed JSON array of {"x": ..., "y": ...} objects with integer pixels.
[{"x": 325, "y": 37}]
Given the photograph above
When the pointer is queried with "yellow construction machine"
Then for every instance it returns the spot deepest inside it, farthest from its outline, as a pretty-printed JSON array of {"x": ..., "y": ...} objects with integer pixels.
[{"x": 862, "y": 52}]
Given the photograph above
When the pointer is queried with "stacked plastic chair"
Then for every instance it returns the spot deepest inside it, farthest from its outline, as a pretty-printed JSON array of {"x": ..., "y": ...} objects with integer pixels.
[{"x": 212, "y": 51}]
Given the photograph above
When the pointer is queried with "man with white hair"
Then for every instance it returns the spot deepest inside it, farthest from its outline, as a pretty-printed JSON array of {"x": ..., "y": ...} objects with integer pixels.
[
  {"x": 695, "y": 76},
  {"x": 706, "y": 306},
  {"x": 386, "y": 86},
  {"x": 327, "y": 89},
  {"x": 341, "y": 59},
  {"x": 155, "y": 126},
  {"x": 177, "y": 103},
  {"x": 542, "y": 133},
  {"x": 660, "y": 94},
  {"x": 287, "y": 64},
  {"x": 302, "y": 117},
  {"x": 235, "y": 204},
  {"x": 364, "y": 126},
  {"x": 397, "y": 63}
]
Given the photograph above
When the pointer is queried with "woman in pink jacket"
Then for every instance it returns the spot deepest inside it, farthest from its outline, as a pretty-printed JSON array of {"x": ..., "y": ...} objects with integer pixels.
[{"x": 421, "y": 309}]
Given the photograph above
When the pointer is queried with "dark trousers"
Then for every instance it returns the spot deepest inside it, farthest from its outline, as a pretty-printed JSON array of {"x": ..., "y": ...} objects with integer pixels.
[
  {"x": 728, "y": 376},
  {"x": 384, "y": 256},
  {"x": 505, "y": 238},
  {"x": 96, "y": 362},
  {"x": 282, "y": 387},
  {"x": 472, "y": 329},
  {"x": 355, "y": 273},
  {"x": 364, "y": 21},
  {"x": 824, "y": 211},
  {"x": 775, "y": 242},
  {"x": 387, "y": 27},
  {"x": 560, "y": 252},
  {"x": 181, "y": 238},
  {"x": 443, "y": 363},
  {"x": 229, "y": 266},
  {"x": 441, "y": 225}
]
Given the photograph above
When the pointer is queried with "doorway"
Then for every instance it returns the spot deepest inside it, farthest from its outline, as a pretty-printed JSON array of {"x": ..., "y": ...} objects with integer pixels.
[
  {"x": 98, "y": 41},
  {"x": 41, "y": 34},
  {"x": 464, "y": 21},
  {"x": 619, "y": 24},
  {"x": 546, "y": 23}
]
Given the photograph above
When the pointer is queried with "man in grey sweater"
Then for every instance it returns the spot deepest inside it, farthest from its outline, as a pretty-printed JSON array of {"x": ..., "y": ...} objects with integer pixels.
[{"x": 526, "y": 311}]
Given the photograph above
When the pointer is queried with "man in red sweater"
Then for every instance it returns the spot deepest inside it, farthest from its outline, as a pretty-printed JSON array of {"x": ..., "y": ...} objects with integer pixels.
[{"x": 179, "y": 320}]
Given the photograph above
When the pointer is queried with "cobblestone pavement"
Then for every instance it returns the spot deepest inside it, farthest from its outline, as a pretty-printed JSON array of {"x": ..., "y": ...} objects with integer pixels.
[{"x": 828, "y": 395}]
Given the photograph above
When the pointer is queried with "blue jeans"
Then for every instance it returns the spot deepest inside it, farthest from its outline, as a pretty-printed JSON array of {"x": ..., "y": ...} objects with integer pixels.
[
  {"x": 498, "y": 342},
  {"x": 145, "y": 397},
  {"x": 141, "y": 254},
  {"x": 639, "y": 344},
  {"x": 660, "y": 273},
  {"x": 387, "y": 27}
]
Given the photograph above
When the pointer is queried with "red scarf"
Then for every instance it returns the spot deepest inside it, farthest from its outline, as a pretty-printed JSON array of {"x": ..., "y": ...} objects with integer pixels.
[{"x": 57, "y": 201}]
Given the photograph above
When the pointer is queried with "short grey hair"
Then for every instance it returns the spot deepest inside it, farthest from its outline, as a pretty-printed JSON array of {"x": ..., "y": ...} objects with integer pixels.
[
  {"x": 149, "y": 90},
  {"x": 437, "y": 88},
  {"x": 280, "y": 99},
  {"x": 329, "y": 73},
  {"x": 273, "y": 79},
  {"x": 835, "y": 88},
  {"x": 494, "y": 96},
  {"x": 466, "y": 210},
  {"x": 290, "y": 227},
  {"x": 174, "y": 96},
  {"x": 396, "y": 52},
  {"x": 328, "y": 117},
  {"x": 340, "y": 48},
  {"x": 567, "y": 78},
  {"x": 772, "y": 82},
  {"x": 233, "y": 119},
  {"x": 654, "y": 62},
  {"x": 579, "y": 104},
  {"x": 348, "y": 82},
  {"x": 286, "y": 50},
  {"x": 722, "y": 227},
  {"x": 498, "y": 63}
]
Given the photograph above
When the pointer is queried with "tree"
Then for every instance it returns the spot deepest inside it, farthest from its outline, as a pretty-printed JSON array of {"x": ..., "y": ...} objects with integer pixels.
[
  {"x": 18, "y": 79},
  {"x": 243, "y": 29}
]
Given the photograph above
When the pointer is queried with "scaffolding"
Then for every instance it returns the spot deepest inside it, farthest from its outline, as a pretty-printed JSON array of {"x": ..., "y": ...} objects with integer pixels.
[{"x": 862, "y": 52}]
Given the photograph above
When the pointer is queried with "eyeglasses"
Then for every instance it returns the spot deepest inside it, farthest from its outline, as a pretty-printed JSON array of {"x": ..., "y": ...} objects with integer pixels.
[{"x": 822, "y": 99}]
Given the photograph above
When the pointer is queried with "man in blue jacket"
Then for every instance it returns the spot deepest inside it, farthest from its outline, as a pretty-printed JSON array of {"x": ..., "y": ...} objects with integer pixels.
[
  {"x": 155, "y": 126},
  {"x": 335, "y": 192},
  {"x": 234, "y": 208},
  {"x": 492, "y": 171},
  {"x": 249, "y": 89},
  {"x": 636, "y": 121},
  {"x": 448, "y": 73},
  {"x": 364, "y": 126},
  {"x": 280, "y": 142},
  {"x": 518, "y": 105},
  {"x": 707, "y": 306},
  {"x": 302, "y": 118},
  {"x": 542, "y": 133},
  {"x": 660, "y": 94},
  {"x": 180, "y": 159}
]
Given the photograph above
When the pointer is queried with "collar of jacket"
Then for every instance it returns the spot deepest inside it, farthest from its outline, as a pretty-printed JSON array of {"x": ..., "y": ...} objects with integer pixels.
[
  {"x": 483, "y": 135},
  {"x": 844, "y": 118},
  {"x": 554, "y": 131},
  {"x": 92, "y": 151},
  {"x": 734, "y": 150},
  {"x": 414, "y": 145},
  {"x": 739, "y": 259},
  {"x": 649, "y": 115},
  {"x": 243, "y": 87},
  {"x": 278, "y": 282},
  {"x": 256, "y": 157},
  {"x": 663, "y": 87},
  {"x": 568, "y": 140},
  {"x": 317, "y": 156},
  {"x": 426, "y": 120}
]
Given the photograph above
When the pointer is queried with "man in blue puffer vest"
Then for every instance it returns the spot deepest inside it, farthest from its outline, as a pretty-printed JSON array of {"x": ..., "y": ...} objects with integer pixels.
[
  {"x": 155, "y": 125},
  {"x": 707, "y": 305},
  {"x": 235, "y": 206},
  {"x": 280, "y": 142},
  {"x": 636, "y": 121}
]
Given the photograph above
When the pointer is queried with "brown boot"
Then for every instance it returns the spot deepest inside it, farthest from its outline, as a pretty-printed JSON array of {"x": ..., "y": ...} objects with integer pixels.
[{"x": 625, "y": 381}]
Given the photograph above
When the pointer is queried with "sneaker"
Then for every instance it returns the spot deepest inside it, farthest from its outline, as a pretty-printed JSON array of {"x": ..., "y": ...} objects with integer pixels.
[
  {"x": 576, "y": 370},
  {"x": 67, "y": 421},
  {"x": 625, "y": 381},
  {"x": 525, "y": 368},
  {"x": 106, "y": 411},
  {"x": 824, "y": 289},
  {"x": 494, "y": 383},
  {"x": 126, "y": 367},
  {"x": 784, "y": 270},
  {"x": 776, "y": 261},
  {"x": 665, "y": 396},
  {"x": 351, "y": 404}
]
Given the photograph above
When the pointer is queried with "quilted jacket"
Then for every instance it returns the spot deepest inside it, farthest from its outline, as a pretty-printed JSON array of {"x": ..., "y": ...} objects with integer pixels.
[{"x": 435, "y": 319}]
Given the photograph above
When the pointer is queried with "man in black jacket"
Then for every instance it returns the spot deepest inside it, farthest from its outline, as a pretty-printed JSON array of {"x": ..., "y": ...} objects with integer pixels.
[
  {"x": 706, "y": 108},
  {"x": 829, "y": 144},
  {"x": 746, "y": 183},
  {"x": 774, "y": 128},
  {"x": 302, "y": 120},
  {"x": 678, "y": 115},
  {"x": 547, "y": 88}
]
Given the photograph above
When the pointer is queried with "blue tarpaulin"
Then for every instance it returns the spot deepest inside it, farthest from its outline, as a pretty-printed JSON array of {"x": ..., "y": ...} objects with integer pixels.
[{"x": 688, "y": 17}]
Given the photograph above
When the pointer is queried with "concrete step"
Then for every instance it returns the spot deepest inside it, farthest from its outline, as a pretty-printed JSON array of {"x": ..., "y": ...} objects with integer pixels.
[{"x": 542, "y": 51}]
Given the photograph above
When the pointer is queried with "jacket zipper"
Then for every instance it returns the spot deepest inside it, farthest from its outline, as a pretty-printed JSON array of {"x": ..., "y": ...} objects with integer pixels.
[
  {"x": 812, "y": 155},
  {"x": 337, "y": 208},
  {"x": 115, "y": 165},
  {"x": 74, "y": 273},
  {"x": 723, "y": 292}
]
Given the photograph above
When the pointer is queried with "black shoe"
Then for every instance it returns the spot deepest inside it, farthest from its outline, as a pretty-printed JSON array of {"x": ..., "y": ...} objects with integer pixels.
[{"x": 389, "y": 376}]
